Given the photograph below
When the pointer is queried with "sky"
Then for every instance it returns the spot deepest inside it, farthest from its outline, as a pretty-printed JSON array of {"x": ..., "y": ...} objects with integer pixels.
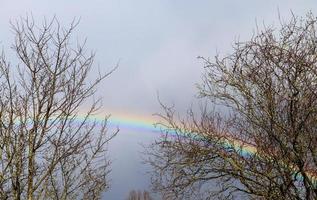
[{"x": 156, "y": 44}]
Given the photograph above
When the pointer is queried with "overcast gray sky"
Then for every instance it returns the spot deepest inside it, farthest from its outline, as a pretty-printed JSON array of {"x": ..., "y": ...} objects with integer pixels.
[{"x": 157, "y": 42}]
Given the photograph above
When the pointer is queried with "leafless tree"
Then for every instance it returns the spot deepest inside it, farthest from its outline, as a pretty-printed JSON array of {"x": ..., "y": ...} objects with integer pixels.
[
  {"x": 138, "y": 195},
  {"x": 46, "y": 151},
  {"x": 266, "y": 147}
]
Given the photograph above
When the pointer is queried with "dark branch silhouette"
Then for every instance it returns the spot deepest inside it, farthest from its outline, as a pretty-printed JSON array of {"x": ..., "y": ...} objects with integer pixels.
[
  {"x": 267, "y": 147},
  {"x": 45, "y": 151}
]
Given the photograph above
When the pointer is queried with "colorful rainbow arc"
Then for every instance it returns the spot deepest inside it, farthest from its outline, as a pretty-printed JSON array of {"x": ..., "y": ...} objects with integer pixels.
[
  {"x": 147, "y": 124},
  {"x": 140, "y": 123},
  {"x": 246, "y": 149}
]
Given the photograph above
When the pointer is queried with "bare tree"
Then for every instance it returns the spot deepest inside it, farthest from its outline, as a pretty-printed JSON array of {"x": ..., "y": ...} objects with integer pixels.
[
  {"x": 138, "y": 195},
  {"x": 46, "y": 151},
  {"x": 266, "y": 148}
]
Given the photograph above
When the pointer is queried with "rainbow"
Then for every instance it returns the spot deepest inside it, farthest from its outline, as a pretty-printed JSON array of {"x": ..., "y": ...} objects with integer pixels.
[
  {"x": 139, "y": 123},
  {"x": 124, "y": 121},
  {"x": 147, "y": 124}
]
